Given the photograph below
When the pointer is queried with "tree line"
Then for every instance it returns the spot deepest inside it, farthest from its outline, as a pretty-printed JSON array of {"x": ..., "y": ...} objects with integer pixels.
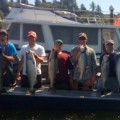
[{"x": 70, "y": 5}]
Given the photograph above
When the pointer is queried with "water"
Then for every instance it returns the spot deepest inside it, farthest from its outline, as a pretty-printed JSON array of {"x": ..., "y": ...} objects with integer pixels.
[{"x": 57, "y": 115}]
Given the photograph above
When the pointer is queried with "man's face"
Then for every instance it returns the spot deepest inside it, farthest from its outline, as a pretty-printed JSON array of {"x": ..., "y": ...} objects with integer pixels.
[
  {"x": 58, "y": 46},
  {"x": 32, "y": 39},
  {"x": 3, "y": 40},
  {"x": 110, "y": 47}
]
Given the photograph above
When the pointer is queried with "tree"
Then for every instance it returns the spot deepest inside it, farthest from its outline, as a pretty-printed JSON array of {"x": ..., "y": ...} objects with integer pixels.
[
  {"x": 1, "y": 15},
  {"x": 93, "y": 6},
  {"x": 11, "y": 3},
  {"x": 82, "y": 7},
  {"x": 54, "y": 1},
  {"x": 69, "y": 4},
  {"x": 18, "y": 1},
  {"x": 37, "y": 3},
  {"x": 4, "y": 6},
  {"x": 98, "y": 9},
  {"x": 25, "y": 1},
  {"x": 43, "y": 1}
]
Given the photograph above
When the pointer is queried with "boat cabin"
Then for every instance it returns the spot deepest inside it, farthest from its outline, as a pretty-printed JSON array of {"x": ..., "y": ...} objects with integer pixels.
[{"x": 50, "y": 25}]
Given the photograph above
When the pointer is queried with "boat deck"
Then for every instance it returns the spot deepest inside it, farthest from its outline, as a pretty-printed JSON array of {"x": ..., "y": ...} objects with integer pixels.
[{"x": 59, "y": 100}]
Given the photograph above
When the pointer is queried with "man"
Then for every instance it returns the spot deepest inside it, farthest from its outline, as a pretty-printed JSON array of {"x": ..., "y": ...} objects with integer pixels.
[
  {"x": 110, "y": 83},
  {"x": 62, "y": 78},
  {"x": 7, "y": 53},
  {"x": 39, "y": 54},
  {"x": 83, "y": 55}
]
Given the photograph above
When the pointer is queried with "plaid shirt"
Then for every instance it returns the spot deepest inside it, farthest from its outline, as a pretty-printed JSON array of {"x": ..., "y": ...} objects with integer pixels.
[{"x": 91, "y": 64}]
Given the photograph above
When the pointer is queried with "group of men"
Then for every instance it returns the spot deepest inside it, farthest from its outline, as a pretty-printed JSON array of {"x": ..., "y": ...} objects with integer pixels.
[{"x": 67, "y": 63}]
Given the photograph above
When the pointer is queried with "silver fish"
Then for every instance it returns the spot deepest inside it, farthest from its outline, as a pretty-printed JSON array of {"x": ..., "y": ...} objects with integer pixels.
[
  {"x": 31, "y": 69},
  {"x": 104, "y": 70},
  {"x": 52, "y": 67},
  {"x": 82, "y": 64},
  {"x": 118, "y": 70},
  {"x": 1, "y": 71}
]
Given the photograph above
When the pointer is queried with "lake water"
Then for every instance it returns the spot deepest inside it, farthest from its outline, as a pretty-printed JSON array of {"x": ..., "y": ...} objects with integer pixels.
[{"x": 57, "y": 115}]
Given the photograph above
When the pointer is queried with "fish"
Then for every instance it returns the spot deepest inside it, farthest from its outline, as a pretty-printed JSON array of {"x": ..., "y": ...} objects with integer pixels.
[
  {"x": 81, "y": 64},
  {"x": 31, "y": 69},
  {"x": 104, "y": 70},
  {"x": 52, "y": 67},
  {"x": 1, "y": 71},
  {"x": 118, "y": 70}
]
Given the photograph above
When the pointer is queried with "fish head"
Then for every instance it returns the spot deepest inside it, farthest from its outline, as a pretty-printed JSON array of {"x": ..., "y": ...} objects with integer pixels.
[
  {"x": 29, "y": 55},
  {"x": 106, "y": 58}
]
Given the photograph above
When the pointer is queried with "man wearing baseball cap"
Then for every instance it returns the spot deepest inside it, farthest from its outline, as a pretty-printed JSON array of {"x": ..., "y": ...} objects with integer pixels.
[
  {"x": 61, "y": 80},
  {"x": 111, "y": 68},
  {"x": 39, "y": 54},
  {"x": 7, "y": 53},
  {"x": 88, "y": 77}
]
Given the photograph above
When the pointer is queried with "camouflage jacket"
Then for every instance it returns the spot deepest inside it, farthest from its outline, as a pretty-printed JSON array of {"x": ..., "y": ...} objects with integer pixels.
[{"x": 91, "y": 64}]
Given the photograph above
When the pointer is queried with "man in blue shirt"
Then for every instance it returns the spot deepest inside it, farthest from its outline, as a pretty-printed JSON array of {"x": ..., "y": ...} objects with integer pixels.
[{"x": 7, "y": 53}]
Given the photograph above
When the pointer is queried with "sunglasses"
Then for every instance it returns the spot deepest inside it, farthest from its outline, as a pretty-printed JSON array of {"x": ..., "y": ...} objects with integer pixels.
[
  {"x": 109, "y": 44},
  {"x": 81, "y": 38},
  {"x": 3, "y": 33}
]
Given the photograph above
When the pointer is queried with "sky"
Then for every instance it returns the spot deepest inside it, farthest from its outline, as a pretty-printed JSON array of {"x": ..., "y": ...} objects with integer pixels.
[{"x": 104, "y": 4}]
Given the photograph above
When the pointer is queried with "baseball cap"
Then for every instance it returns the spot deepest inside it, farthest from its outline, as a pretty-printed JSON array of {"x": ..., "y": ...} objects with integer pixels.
[
  {"x": 32, "y": 34},
  {"x": 59, "y": 41},
  {"x": 110, "y": 41},
  {"x": 82, "y": 35},
  {"x": 3, "y": 32}
]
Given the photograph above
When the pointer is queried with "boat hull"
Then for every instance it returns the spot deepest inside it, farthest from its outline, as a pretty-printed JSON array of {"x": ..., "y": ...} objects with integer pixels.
[{"x": 61, "y": 100}]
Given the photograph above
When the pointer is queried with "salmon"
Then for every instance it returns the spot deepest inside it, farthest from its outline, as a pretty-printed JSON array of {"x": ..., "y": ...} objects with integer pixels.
[
  {"x": 104, "y": 70},
  {"x": 52, "y": 67},
  {"x": 118, "y": 70},
  {"x": 1, "y": 71},
  {"x": 31, "y": 69},
  {"x": 81, "y": 64}
]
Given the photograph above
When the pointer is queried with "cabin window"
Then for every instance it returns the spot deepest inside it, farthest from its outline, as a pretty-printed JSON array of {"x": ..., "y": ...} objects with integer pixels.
[
  {"x": 14, "y": 31},
  {"x": 69, "y": 35},
  {"x": 33, "y": 27}
]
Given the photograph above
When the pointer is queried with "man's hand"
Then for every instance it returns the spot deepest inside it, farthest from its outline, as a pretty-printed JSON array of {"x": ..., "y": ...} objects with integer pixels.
[{"x": 18, "y": 76}]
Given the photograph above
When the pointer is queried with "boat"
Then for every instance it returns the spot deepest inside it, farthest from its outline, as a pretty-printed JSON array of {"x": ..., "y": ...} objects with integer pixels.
[{"x": 51, "y": 24}]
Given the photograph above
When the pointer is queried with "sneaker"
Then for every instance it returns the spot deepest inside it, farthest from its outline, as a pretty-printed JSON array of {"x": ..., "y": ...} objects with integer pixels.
[
  {"x": 37, "y": 85},
  {"x": 30, "y": 92},
  {"x": 102, "y": 92},
  {"x": 3, "y": 90}
]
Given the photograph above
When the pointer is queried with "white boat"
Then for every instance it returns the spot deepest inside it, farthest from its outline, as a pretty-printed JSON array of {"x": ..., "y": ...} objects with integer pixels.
[{"x": 53, "y": 24}]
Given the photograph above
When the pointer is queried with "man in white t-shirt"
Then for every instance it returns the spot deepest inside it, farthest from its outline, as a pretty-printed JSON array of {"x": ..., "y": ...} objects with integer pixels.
[{"x": 39, "y": 54}]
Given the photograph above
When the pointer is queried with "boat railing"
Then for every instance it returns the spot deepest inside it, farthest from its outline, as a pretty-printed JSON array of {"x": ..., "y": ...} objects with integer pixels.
[{"x": 96, "y": 20}]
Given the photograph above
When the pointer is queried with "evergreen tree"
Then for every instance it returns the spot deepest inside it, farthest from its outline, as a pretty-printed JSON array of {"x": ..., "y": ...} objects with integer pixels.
[
  {"x": 98, "y": 9},
  {"x": 37, "y": 3},
  {"x": 18, "y": 1},
  {"x": 92, "y": 6},
  {"x": 82, "y": 7},
  {"x": 24, "y": 1},
  {"x": 43, "y": 1},
  {"x": 54, "y": 1},
  {"x": 4, "y": 6},
  {"x": 69, "y": 4},
  {"x": 11, "y": 3}
]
